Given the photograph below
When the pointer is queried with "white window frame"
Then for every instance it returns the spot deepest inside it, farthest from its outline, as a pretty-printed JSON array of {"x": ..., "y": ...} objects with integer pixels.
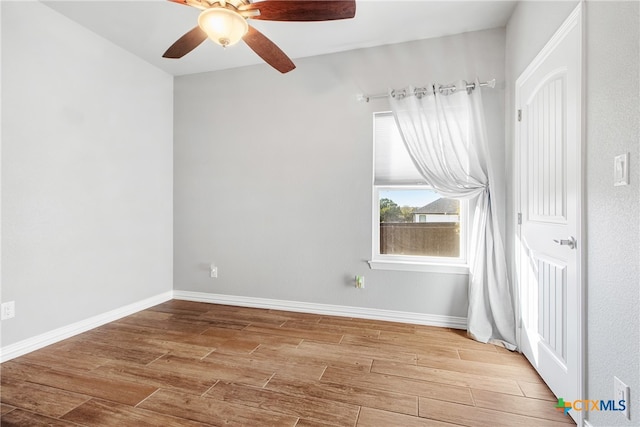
[{"x": 458, "y": 265}]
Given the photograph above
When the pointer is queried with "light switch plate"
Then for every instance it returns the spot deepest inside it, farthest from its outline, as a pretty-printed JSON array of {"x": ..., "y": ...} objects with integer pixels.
[{"x": 621, "y": 170}]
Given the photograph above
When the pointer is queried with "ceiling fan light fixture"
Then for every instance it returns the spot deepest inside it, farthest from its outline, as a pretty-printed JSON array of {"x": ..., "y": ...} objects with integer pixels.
[{"x": 223, "y": 26}]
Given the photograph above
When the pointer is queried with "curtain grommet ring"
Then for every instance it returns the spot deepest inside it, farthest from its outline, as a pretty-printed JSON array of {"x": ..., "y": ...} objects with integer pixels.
[{"x": 470, "y": 88}]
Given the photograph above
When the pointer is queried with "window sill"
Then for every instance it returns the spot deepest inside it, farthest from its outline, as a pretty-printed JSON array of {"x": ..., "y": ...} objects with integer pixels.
[{"x": 419, "y": 266}]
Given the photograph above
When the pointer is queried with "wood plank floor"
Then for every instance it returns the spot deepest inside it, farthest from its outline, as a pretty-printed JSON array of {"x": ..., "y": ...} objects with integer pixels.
[{"x": 194, "y": 364}]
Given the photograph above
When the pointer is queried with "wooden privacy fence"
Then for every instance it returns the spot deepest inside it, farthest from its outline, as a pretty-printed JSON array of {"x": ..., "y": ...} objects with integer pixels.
[{"x": 420, "y": 238}]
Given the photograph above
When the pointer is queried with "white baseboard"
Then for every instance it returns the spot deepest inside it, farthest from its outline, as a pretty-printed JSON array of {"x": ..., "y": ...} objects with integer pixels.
[
  {"x": 326, "y": 309},
  {"x": 31, "y": 344}
]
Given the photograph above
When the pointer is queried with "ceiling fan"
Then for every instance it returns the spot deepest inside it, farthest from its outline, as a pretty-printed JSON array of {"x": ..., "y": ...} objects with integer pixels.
[{"x": 225, "y": 22}]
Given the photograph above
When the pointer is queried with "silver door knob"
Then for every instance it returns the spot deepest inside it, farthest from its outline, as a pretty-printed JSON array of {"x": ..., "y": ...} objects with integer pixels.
[{"x": 571, "y": 242}]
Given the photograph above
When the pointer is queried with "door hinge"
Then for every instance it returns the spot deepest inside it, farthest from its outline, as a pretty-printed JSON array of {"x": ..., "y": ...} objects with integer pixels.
[
  {"x": 519, "y": 218},
  {"x": 519, "y": 115}
]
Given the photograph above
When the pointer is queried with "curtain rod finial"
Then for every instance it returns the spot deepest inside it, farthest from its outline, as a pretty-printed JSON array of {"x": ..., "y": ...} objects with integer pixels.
[
  {"x": 360, "y": 97},
  {"x": 491, "y": 83}
]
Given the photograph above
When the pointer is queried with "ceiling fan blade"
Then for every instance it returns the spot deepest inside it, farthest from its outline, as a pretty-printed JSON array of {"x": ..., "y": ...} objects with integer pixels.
[
  {"x": 302, "y": 10},
  {"x": 186, "y": 43},
  {"x": 267, "y": 50}
]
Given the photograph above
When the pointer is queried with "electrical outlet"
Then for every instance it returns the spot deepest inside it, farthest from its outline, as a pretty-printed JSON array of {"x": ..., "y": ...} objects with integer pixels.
[
  {"x": 7, "y": 310},
  {"x": 621, "y": 392},
  {"x": 214, "y": 271}
]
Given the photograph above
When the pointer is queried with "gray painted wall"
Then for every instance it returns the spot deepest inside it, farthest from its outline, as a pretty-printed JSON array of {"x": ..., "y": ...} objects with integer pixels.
[
  {"x": 273, "y": 174},
  {"x": 612, "y": 213},
  {"x": 86, "y": 173}
]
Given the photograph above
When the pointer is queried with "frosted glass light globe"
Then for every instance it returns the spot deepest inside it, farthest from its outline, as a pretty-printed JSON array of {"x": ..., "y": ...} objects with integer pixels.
[{"x": 223, "y": 26}]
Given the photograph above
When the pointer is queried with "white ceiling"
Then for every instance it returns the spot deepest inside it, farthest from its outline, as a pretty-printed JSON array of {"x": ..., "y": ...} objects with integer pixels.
[{"x": 148, "y": 28}]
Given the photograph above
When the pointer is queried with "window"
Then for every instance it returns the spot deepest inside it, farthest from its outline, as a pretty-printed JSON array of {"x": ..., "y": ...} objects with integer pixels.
[{"x": 414, "y": 228}]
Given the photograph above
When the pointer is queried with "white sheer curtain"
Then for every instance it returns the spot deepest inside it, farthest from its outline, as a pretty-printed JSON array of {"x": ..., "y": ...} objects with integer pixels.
[{"x": 445, "y": 134}]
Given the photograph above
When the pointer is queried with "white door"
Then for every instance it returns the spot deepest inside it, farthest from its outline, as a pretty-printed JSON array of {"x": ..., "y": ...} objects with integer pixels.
[{"x": 548, "y": 140}]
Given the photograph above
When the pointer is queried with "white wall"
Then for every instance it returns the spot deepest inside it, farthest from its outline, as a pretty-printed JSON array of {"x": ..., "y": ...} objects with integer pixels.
[
  {"x": 611, "y": 118},
  {"x": 273, "y": 174},
  {"x": 86, "y": 173},
  {"x": 613, "y": 258}
]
